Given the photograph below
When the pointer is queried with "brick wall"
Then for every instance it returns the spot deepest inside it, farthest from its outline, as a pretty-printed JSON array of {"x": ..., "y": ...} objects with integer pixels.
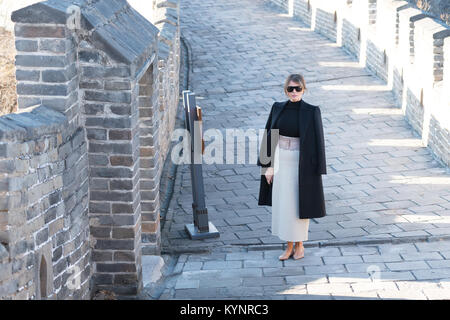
[
  {"x": 303, "y": 11},
  {"x": 43, "y": 210},
  {"x": 396, "y": 42},
  {"x": 351, "y": 38},
  {"x": 165, "y": 15},
  {"x": 326, "y": 23},
  {"x": 110, "y": 79}
]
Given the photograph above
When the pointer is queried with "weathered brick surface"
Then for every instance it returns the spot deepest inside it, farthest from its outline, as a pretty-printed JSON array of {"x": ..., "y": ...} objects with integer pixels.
[
  {"x": 158, "y": 103},
  {"x": 111, "y": 98},
  {"x": 51, "y": 151}
]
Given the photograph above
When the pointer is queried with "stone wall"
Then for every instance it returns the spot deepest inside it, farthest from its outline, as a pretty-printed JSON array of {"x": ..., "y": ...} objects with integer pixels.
[
  {"x": 165, "y": 15},
  {"x": 43, "y": 207},
  {"x": 109, "y": 79},
  {"x": 396, "y": 42}
]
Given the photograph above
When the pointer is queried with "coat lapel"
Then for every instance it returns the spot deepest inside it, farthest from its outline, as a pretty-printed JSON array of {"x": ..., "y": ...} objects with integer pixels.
[{"x": 305, "y": 117}]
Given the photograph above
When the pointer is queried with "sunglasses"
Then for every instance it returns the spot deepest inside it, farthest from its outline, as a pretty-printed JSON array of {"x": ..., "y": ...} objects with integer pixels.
[{"x": 297, "y": 88}]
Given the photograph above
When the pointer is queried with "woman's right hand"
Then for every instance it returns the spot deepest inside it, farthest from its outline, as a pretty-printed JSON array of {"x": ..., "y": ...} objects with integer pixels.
[{"x": 269, "y": 175}]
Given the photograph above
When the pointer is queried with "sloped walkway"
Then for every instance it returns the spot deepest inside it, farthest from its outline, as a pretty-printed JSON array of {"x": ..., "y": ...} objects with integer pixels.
[{"x": 382, "y": 185}]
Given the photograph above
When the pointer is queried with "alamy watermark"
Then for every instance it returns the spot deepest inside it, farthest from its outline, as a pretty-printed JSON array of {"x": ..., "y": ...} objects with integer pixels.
[
  {"x": 73, "y": 20},
  {"x": 224, "y": 147},
  {"x": 74, "y": 280}
]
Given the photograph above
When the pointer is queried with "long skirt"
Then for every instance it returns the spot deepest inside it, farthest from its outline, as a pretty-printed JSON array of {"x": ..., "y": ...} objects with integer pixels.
[{"x": 285, "y": 197}]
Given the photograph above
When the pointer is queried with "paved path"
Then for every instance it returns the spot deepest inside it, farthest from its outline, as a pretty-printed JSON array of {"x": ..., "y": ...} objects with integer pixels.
[
  {"x": 382, "y": 184},
  {"x": 418, "y": 270}
]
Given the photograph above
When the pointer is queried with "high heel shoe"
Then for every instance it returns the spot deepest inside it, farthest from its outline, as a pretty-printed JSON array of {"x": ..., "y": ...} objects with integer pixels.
[
  {"x": 301, "y": 255},
  {"x": 290, "y": 254}
]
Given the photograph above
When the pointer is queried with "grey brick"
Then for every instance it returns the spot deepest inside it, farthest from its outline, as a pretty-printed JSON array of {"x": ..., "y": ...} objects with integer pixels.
[
  {"x": 96, "y": 134},
  {"x": 52, "y": 45},
  {"x": 241, "y": 221},
  {"x": 111, "y": 196},
  {"x": 286, "y": 271},
  {"x": 350, "y": 232},
  {"x": 439, "y": 263},
  {"x": 121, "y": 185},
  {"x": 59, "y": 76},
  {"x": 219, "y": 265},
  {"x": 93, "y": 84},
  {"x": 42, "y": 89},
  {"x": 269, "y": 281},
  {"x": 109, "y": 72},
  {"x": 304, "y": 279},
  {"x": 407, "y": 265},
  {"x": 120, "y": 110},
  {"x": 110, "y": 148},
  {"x": 41, "y": 61},
  {"x": 342, "y": 260},
  {"x": 108, "y": 123},
  {"x": 192, "y": 265},
  {"x": 262, "y": 263},
  {"x": 244, "y": 255},
  {"x": 187, "y": 284},
  {"x": 61, "y": 104},
  {"x": 26, "y": 45},
  {"x": 421, "y": 256},
  {"x": 123, "y": 233},
  {"x": 221, "y": 283},
  {"x": 382, "y": 258},
  {"x": 431, "y": 274},
  {"x": 90, "y": 56},
  {"x": 93, "y": 109},
  {"x": 122, "y": 135},
  {"x": 433, "y": 246},
  {"x": 42, "y": 236},
  {"x": 117, "y": 85},
  {"x": 114, "y": 244},
  {"x": 116, "y": 267}
]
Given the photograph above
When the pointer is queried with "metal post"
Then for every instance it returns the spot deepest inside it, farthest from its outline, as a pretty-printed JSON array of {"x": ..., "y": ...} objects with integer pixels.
[
  {"x": 201, "y": 228},
  {"x": 188, "y": 127}
]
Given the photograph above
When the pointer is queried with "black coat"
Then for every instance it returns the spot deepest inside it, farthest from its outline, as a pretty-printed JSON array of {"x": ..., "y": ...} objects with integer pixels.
[{"x": 312, "y": 162}]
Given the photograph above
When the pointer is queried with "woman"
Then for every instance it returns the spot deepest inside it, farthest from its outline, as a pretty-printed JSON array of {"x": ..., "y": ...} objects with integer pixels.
[{"x": 291, "y": 180}]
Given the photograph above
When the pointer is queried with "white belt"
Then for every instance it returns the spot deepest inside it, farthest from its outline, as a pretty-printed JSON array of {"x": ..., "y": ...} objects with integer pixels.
[{"x": 289, "y": 143}]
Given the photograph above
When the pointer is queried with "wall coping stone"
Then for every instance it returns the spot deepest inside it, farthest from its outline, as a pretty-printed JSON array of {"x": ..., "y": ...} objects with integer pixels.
[
  {"x": 31, "y": 122},
  {"x": 121, "y": 31}
]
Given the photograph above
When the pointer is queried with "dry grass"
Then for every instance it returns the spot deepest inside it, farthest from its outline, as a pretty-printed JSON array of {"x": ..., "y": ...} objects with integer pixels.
[{"x": 8, "y": 96}]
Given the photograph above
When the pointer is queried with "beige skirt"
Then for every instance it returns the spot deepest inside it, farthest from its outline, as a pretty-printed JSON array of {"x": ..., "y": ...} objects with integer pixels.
[{"x": 285, "y": 197}]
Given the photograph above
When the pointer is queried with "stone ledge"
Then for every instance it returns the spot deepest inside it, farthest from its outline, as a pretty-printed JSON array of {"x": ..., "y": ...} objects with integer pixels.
[{"x": 31, "y": 122}]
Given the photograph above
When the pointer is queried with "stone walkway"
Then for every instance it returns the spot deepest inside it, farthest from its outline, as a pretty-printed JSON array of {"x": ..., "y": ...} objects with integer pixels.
[
  {"x": 387, "y": 199},
  {"x": 418, "y": 270}
]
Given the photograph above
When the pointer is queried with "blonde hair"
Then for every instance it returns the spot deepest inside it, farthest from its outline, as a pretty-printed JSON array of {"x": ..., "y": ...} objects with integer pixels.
[{"x": 295, "y": 77}]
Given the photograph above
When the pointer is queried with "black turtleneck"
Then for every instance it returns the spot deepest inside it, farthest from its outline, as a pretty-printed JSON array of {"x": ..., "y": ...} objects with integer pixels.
[{"x": 287, "y": 122}]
